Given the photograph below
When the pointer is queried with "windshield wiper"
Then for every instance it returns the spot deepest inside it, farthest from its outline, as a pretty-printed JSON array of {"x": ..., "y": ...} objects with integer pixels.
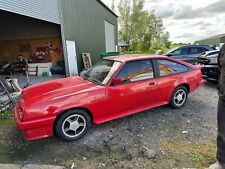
[
  {"x": 85, "y": 76},
  {"x": 94, "y": 80}
]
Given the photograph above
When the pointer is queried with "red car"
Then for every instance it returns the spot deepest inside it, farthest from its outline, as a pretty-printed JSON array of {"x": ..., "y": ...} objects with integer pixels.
[{"x": 113, "y": 88}]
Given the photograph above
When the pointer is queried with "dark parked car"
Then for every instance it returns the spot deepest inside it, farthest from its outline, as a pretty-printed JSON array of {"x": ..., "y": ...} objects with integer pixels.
[
  {"x": 209, "y": 62},
  {"x": 189, "y": 53}
]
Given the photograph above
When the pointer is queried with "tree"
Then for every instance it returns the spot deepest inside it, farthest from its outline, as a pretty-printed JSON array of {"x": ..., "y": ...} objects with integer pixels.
[
  {"x": 165, "y": 40},
  {"x": 124, "y": 9},
  {"x": 140, "y": 28},
  {"x": 113, "y": 6}
]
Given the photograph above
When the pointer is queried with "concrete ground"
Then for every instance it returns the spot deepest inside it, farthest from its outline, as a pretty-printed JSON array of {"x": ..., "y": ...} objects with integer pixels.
[
  {"x": 15, "y": 166},
  {"x": 22, "y": 79}
]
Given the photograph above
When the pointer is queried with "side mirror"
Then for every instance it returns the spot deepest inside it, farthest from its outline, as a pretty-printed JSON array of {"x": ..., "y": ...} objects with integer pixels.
[{"x": 116, "y": 81}]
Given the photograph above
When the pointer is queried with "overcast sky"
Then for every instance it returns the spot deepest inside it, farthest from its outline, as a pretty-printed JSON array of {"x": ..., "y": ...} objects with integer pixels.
[{"x": 188, "y": 20}]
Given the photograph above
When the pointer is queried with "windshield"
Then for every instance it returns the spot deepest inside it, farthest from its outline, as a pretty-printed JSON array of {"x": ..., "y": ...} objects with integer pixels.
[{"x": 102, "y": 72}]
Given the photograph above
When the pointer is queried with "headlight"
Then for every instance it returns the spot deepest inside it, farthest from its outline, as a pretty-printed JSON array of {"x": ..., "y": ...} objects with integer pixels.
[
  {"x": 213, "y": 60},
  {"x": 20, "y": 110}
]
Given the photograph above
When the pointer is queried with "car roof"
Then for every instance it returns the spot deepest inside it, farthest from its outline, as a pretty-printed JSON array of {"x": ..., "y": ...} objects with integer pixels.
[
  {"x": 125, "y": 58},
  {"x": 190, "y": 46},
  {"x": 196, "y": 46}
]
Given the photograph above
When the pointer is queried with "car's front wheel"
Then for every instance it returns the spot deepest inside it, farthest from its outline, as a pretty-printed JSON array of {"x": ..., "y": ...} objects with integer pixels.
[
  {"x": 72, "y": 125},
  {"x": 179, "y": 97}
]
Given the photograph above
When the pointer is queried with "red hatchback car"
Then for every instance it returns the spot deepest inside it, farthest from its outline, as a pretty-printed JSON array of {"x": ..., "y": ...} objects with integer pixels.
[{"x": 113, "y": 88}]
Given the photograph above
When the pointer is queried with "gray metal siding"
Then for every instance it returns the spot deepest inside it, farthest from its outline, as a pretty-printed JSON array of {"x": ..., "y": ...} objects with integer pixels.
[
  {"x": 17, "y": 27},
  {"x": 41, "y": 9},
  {"x": 215, "y": 41},
  {"x": 110, "y": 37},
  {"x": 83, "y": 22},
  {"x": 222, "y": 39}
]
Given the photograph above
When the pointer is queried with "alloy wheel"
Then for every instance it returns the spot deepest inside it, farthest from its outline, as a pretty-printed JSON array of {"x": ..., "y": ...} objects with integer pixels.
[
  {"x": 74, "y": 125},
  {"x": 180, "y": 97}
]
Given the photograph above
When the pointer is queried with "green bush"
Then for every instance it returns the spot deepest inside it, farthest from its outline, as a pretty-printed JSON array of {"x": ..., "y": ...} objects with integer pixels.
[{"x": 6, "y": 114}]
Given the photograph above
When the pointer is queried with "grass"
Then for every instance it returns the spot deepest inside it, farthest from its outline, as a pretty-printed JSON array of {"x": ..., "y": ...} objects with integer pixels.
[
  {"x": 200, "y": 155},
  {"x": 6, "y": 118},
  {"x": 203, "y": 155},
  {"x": 7, "y": 122},
  {"x": 6, "y": 114}
]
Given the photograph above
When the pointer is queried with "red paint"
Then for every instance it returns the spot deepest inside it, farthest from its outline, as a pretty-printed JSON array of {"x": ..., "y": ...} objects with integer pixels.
[{"x": 41, "y": 104}]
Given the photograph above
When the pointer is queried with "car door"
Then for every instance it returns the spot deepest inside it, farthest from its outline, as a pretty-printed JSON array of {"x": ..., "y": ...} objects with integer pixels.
[
  {"x": 194, "y": 52},
  {"x": 137, "y": 92},
  {"x": 168, "y": 75}
]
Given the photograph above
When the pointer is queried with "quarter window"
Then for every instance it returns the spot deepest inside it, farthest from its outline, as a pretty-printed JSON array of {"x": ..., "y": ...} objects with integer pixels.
[
  {"x": 167, "y": 67},
  {"x": 136, "y": 71}
]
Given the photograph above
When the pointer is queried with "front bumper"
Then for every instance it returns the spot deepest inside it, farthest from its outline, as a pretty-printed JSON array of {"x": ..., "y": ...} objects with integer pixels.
[
  {"x": 210, "y": 71},
  {"x": 36, "y": 129}
]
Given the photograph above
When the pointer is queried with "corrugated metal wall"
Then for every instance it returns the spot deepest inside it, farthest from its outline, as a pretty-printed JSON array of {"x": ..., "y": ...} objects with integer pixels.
[
  {"x": 222, "y": 40},
  {"x": 17, "y": 27},
  {"x": 214, "y": 41},
  {"x": 47, "y": 10},
  {"x": 84, "y": 22}
]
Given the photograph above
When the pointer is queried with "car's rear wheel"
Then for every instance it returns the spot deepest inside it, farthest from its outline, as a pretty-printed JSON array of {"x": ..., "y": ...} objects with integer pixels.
[
  {"x": 179, "y": 97},
  {"x": 72, "y": 125}
]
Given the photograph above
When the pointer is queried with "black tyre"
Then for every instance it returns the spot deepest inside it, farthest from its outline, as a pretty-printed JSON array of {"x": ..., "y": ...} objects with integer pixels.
[
  {"x": 179, "y": 97},
  {"x": 72, "y": 125}
]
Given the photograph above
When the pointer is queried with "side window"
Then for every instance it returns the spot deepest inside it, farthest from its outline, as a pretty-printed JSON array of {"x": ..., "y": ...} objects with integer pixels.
[
  {"x": 193, "y": 51},
  {"x": 176, "y": 52},
  {"x": 201, "y": 50},
  {"x": 136, "y": 71},
  {"x": 197, "y": 50},
  {"x": 184, "y": 51},
  {"x": 167, "y": 67},
  {"x": 180, "y": 51}
]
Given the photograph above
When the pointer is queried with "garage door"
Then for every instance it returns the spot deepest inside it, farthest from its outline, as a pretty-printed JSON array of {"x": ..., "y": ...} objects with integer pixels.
[
  {"x": 47, "y": 10},
  {"x": 110, "y": 37}
]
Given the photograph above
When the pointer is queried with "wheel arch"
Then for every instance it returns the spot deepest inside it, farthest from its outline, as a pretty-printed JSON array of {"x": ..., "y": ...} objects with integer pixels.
[
  {"x": 70, "y": 109},
  {"x": 186, "y": 85}
]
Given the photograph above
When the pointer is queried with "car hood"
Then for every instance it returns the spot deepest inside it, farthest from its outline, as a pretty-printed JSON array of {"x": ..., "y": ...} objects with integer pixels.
[{"x": 56, "y": 89}]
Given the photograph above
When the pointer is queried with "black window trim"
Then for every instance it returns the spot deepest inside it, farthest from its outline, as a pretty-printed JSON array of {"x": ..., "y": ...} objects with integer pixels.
[{"x": 153, "y": 67}]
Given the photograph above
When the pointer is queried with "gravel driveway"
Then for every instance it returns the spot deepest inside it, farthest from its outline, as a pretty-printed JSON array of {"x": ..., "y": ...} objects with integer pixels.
[{"x": 159, "y": 138}]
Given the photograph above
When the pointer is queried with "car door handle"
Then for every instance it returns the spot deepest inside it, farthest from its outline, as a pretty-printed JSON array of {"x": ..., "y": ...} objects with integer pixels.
[{"x": 152, "y": 83}]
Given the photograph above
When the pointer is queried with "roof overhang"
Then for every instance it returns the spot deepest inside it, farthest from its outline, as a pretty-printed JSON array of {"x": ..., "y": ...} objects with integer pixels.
[{"x": 103, "y": 4}]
